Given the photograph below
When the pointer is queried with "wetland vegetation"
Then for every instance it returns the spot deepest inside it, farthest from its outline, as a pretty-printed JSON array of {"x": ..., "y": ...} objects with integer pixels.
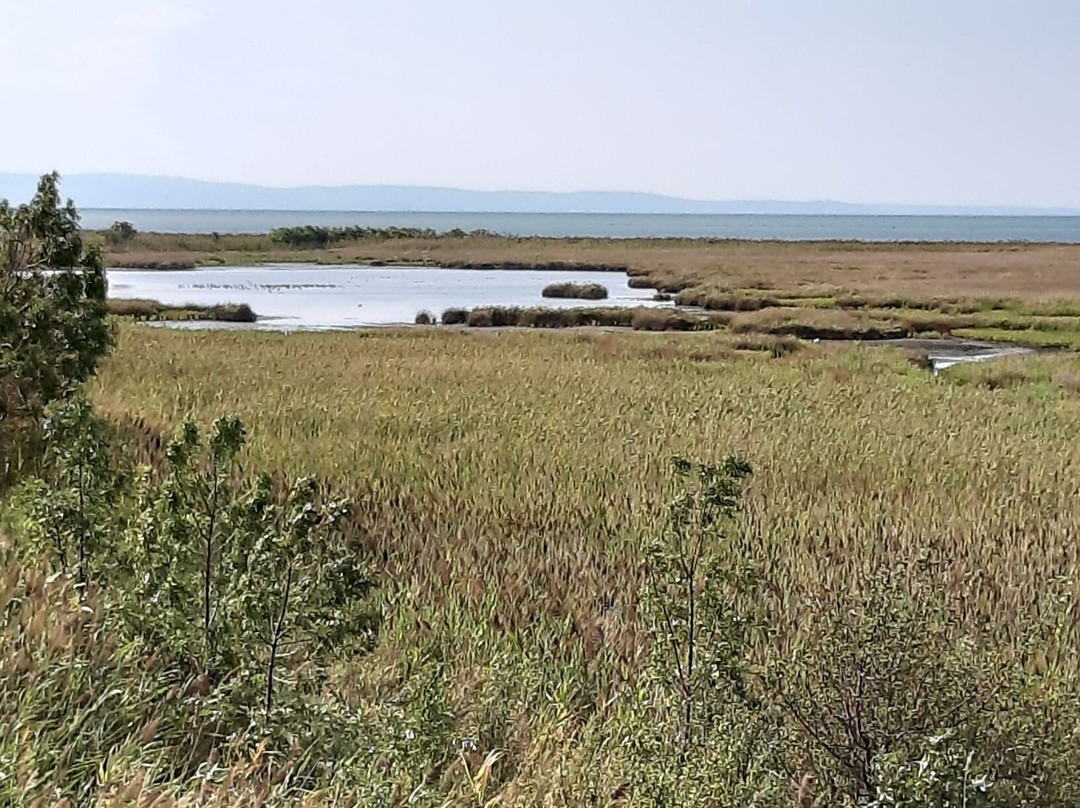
[
  {"x": 1023, "y": 293},
  {"x": 152, "y": 310},
  {"x": 452, "y": 567},
  {"x": 581, "y": 291}
]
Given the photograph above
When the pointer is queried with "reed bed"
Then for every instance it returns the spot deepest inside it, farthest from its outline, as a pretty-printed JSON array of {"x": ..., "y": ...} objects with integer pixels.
[
  {"x": 138, "y": 309},
  {"x": 509, "y": 481},
  {"x": 527, "y": 470}
]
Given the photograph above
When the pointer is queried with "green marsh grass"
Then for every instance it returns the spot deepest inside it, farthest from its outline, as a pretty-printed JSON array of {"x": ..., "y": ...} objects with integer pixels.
[
  {"x": 523, "y": 470},
  {"x": 508, "y": 483}
]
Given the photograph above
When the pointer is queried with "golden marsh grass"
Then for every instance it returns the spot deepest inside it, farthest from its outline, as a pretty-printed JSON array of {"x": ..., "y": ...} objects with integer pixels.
[
  {"x": 525, "y": 471},
  {"x": 506, "y": 483}
]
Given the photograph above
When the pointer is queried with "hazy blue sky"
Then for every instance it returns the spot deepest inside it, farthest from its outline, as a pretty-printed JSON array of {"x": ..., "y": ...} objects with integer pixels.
[{"x": 918, "y": 101}]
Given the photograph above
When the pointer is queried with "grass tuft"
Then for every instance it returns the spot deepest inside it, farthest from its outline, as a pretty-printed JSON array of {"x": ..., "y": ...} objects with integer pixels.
[{"x": 582, "y": 291}]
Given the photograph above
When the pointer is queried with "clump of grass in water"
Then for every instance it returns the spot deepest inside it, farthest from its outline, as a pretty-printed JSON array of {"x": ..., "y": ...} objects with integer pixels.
[
  {"x": 455, "y": 316},
  {"x": 581, "y": 291},
  {"x": 140, "y": 309},
  {"x": 639, "y": 319}
]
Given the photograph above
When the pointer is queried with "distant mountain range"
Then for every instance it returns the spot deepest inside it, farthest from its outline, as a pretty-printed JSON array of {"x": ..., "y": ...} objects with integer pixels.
[{"x": 129, "y": 191}]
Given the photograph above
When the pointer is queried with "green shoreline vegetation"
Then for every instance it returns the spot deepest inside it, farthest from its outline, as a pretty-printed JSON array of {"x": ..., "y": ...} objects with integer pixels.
[
  {"x": 152, "y": 310},
  {"x": 454, "y": 567}
]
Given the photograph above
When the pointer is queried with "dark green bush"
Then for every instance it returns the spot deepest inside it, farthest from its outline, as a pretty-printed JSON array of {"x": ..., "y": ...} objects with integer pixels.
[
  {"x": 455, "y": 316},
  {"x": 121, "y": 233},
  {"x": 313, "y": 236}
]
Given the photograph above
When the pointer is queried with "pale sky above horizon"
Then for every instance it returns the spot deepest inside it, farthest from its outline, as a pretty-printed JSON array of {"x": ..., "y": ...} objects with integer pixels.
[{"x": 965, "y": 102}]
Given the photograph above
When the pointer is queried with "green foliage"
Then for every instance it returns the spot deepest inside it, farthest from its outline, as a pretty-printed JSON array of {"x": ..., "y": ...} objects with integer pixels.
[
  {"x": 877, "y": 674},
  {"x": 177, "y": 543},
  {"x": 53, "y": 329},
  {"x": 880, "y": 694},
  {"x": 243, "y": 594},
  {"x": 121, "y": 233},
  {"x": 297, "y": 592},
  {"x": 699, "y": 733},
  {"x": 700, "y": 636},
  {"x": 244, "y": 583},
  {"x": 886, "y": 696},
  {"x": 314, "y": 236},
  {"x": 74, "y": 511}
]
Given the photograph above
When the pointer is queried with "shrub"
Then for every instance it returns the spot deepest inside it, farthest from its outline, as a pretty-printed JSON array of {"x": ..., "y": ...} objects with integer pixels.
[
  {"x": 887, "y": 695},
  {"x": 776, "y": 345},
  {"x": 312, "y": 236},
  {"x": 139, "y": 309},
  {"x": 874, "y": 694},
  {"x": 233, "y": 584},
  {"x": 1004, "y": 377},
  {"x": 1068, "y": 381},
  {"x": 121, "y": 233},
  {"x": 663, "y": 320},
  {"x": 455, "y": 316},
  {"x": 233, "y": 313},
  {"x": 480, "y": 318},
  {"x": 424, "y": 318}
]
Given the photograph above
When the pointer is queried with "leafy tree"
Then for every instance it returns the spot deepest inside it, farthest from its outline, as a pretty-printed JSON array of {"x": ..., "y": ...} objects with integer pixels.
[
  {"x": 179, "y": 540},
  {"x": 699, "y": 735},
  {"x": 53, "y": 328},
  {"x": 121, "y": 232}
]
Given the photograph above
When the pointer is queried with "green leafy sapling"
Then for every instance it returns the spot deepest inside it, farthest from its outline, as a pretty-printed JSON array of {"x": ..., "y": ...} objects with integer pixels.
[
  {"x": 300, "y": 589},
  {"x": 180, "y": 540},
  {"x": 73, "y": 512},
  {"x": 245, "y": 584},
  {"x": 698, "y": 636}
]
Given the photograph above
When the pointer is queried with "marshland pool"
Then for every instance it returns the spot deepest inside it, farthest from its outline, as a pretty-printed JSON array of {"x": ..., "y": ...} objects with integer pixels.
[
  {"x": 290, "y": 297},
  {"x": 295, "y": 297}
]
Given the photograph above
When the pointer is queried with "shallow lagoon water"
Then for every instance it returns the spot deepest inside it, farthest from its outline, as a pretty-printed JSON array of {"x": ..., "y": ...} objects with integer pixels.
[
  {"x": 309, "y": 297},
  {"x": 944, "y": 353}
]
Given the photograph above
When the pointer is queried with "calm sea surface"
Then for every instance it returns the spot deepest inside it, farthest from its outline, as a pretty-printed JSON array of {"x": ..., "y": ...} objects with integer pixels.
[
  {"x": 294, "y": 297},
  {"x": 1064, "y": 229}
]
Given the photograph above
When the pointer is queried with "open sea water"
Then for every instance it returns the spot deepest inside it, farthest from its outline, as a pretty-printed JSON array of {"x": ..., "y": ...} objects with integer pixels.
[{"x": 1043, "y": 229}]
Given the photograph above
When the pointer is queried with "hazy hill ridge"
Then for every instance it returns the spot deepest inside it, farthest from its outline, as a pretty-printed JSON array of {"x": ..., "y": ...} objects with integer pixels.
[{"x": 135, "y": 191}]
